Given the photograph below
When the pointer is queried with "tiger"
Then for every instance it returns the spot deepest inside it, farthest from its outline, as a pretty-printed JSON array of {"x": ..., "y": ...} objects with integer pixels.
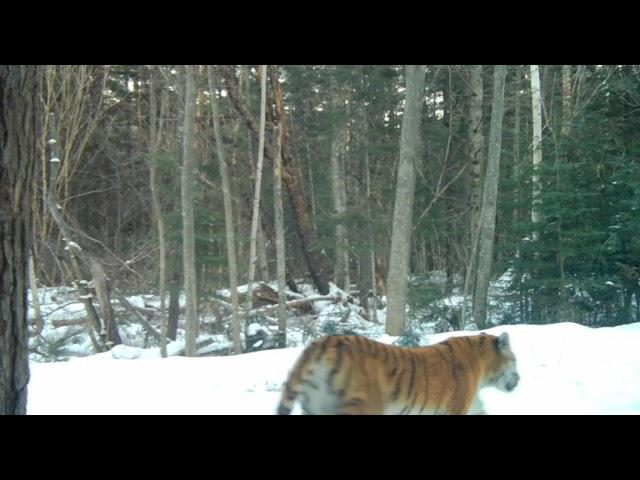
[{"x": 353, "y": 375}]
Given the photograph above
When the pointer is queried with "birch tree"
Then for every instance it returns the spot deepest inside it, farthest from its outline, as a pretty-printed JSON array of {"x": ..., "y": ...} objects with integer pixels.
[
  {"x": 536, "y": 109},
  {"x": 566, "y": 101}
]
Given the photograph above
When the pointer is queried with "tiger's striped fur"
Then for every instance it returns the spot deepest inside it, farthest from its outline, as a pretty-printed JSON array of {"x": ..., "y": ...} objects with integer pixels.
[{"x": 355, "y": 375}]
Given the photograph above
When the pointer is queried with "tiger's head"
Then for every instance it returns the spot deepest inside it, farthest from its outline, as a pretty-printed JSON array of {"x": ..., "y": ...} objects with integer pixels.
[{"x": 503, "y": 372}]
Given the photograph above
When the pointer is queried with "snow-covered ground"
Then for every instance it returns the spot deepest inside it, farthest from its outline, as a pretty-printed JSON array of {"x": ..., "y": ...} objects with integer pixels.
[{"x": 565, "y": 369}]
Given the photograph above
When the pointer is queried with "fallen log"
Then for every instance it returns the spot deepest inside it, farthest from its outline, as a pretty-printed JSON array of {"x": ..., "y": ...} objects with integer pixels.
[
  {"x": 137, "y": 315},
  {"x": 69, "y": 322}
]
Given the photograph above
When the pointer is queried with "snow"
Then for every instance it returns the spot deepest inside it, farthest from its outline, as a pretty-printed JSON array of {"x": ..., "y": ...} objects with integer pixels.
[
  {"x": 72, "y": 244},
  {"x": 565, "y": 368},
  {"x": 100, "y": 384},
  {"x": 254, "y": 328}
]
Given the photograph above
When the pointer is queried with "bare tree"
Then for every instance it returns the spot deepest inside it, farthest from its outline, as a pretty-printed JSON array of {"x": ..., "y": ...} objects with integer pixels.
[
  {"x": 517, "y": 103},
  {"x": 476, "y": 140},
  {"x": 487, "y": 224},
  {"x": 279, "y": 225},
  {"x": 156, "y": 132},
  {"x": 188, "y": 223},
  {"x": 75, "y": 94},
  {"x": 37, "y": 313},
  {"x": 338, "y": 184},
  {"x": 403, "y": 207},
  {"x": 291, "y": 176},
  {"x": 19, "y": 86},
  {"x": 228, "y": 214},
  {"x": 536, "y": 108},
  {"x": 258, "y": 185},
  {"x": 566, "y": 101},
  {"x": 367, "y": 260},
  {"x": 77, "y": 257}
]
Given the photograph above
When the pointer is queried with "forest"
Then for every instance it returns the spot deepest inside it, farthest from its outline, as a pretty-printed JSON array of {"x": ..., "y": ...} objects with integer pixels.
[{"x": 385, "y": 188}]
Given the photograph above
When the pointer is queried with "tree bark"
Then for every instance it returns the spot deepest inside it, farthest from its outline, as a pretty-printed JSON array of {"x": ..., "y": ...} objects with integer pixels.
[
  {"x": 174, "y": 305},
  {"x": 112, "y": 336},
  {"x": 188, "y": 223},
  {"x": 399, "y": 268},
  {"x": 367, "y": 277},
  {"x": 73, "y": 249},
  {"x": 517, "y": 167},
  {"x": 19, "y": 100},
  {"x": 567, "y": 101},
  {"x": 33, "y": 285},
  {"x": 258, "y": 185},
  {"x": 487, "y": 225},
  {"x": 156, "y": 132},
  {"x": 263, "y": 262},
  {"x": 476, "y": 141},
  {"x": 228, "y": 215},
  {"x": 280, "y": 247},
  {"x": 291, "y": 176},
  {"x": 536, "y": 106},
  {"x": 338, "y": 184}
]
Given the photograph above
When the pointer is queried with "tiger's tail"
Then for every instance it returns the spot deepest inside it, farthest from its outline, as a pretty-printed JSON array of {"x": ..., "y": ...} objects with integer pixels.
[
  {"x": 288, "y": 396},
  {"x": 293, "y": 386}
]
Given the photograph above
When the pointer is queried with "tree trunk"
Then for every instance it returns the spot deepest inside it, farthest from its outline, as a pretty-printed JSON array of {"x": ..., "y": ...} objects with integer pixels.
[
  {"x": 536, "y": 106},
  {"x": 175, "y": 263},
  {"x": 487, "y": 225},
  {"x": 270, "y": 236},
  {"x": 476, "y": 140},
  {"x": 73, "y": 249},
  {"x": 476, "y": 155},
  {"x": 188, "y": 224},
  {"x": 565, "y": 131},
  {"x": 311, "y": 183},
  {"x": 517, "y": 167},
  {"x": 156, "y": 132},
  {"x": 403, "y": 210},
  {"x": 258, "y": 185},
  {"x": 280, "y": 247},
  {"x": 19, "y": 100},
  {"x": 33, "y": 286},
  {"x": 263, "y": 262},
  {"x": 174, "y": 305},
  {"x": 291, "y": 176},
  {"x": 367, "y": 277},
  {"x": 338, "y": 185},
  {"x": 112, "y": 336},
  {"x": 228, "y": 215}
]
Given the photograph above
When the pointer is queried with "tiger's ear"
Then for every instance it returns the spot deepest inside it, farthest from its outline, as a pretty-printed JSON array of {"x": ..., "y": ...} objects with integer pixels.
[{"x": 503, "y": 342}]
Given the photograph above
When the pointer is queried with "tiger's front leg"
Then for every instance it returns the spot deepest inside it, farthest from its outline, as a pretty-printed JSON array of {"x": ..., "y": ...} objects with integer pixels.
[{"x": 477, "y": 407}]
